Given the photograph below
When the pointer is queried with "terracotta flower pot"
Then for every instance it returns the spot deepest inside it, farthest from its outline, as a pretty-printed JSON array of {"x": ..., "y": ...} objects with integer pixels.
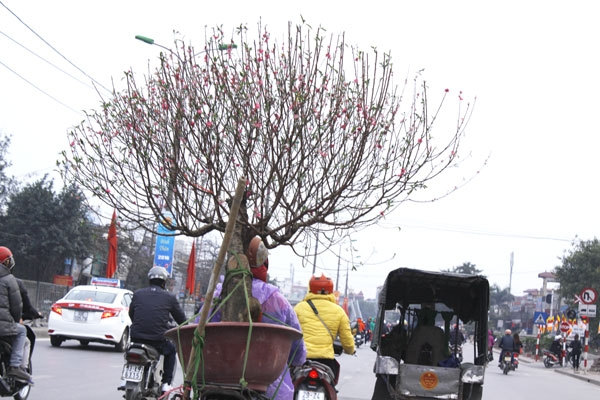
[{"x": 225, "y": 348}]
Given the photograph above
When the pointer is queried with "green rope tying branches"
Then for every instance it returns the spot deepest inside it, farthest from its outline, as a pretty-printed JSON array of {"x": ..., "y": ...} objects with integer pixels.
[{"x": 199, "y": 342}]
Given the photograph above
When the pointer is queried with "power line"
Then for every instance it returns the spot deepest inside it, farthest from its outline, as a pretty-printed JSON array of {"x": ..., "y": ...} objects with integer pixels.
[
  {"x": 41, "y": 90},
  {"x": 46, "y": 61},
  {"x": 476, "y": 231},
  {"x": 52, "y": 47}
]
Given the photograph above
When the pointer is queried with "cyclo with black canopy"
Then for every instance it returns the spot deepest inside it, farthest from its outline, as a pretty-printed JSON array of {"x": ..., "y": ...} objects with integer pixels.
[{"x": 417, "y": 312}]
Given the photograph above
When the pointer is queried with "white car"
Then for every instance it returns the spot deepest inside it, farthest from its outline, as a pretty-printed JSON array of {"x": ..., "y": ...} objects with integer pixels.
[{"x": 90, "y": 313}]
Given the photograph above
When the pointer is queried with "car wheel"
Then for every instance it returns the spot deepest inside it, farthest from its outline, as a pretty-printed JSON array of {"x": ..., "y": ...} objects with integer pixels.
[
  {"x": 122, "y": 345},
  {"x": 55, "y": 341},
  {"x": 84, "y": 343}
]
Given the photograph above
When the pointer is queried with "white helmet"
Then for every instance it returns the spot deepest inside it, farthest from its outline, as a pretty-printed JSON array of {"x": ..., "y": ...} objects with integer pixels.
[
  {"x": 158, "y": 273},
  {"x": 558, "y": 337}
]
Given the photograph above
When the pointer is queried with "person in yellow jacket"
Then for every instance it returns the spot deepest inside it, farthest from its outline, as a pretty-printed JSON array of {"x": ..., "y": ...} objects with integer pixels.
[{"x": 322, "y": 320}]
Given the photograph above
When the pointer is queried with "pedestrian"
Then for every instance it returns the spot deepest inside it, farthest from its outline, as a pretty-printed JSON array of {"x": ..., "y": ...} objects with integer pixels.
[
  {"x": 491, "y": 341},
  {"x": 576, "y": 353}
]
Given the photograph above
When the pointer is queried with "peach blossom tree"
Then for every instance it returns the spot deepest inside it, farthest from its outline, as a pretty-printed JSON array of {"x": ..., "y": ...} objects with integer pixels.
[{"x": 324, "y": 136}]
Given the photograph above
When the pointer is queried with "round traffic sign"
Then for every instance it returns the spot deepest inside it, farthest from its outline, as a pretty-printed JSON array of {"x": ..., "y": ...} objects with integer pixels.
[
  {"x": 589, "y": 296},
  {"x": 565, "y": 326}
]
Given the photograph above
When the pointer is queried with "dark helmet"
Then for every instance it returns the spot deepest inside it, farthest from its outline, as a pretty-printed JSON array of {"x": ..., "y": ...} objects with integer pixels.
[
  {"x": 6, "y": 257},
  {"x": 158, "y": 273},
  {"x": 321, "y": 285}
]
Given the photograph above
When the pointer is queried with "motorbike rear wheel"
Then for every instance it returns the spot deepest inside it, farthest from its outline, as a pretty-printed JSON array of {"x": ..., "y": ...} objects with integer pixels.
[
  {"x": 23, "y": 393},
  {"x": 133, "y": 394}
]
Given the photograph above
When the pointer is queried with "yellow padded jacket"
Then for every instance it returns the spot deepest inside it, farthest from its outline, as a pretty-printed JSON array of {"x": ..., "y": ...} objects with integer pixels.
[{"x": 318, "y": 341}]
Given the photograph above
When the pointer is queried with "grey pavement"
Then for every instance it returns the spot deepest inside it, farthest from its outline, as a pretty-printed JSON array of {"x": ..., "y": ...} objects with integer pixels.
[{"x": 586, "y": 375}]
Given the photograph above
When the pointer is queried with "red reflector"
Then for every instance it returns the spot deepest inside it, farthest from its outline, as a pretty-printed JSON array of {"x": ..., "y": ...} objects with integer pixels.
[{"x": 313, "y": 374}]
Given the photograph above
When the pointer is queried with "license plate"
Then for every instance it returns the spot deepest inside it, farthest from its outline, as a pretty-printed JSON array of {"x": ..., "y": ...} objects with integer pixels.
[
  {"x": 305, "y": 395},
  {"x": 133, "y": 372},
  {"x": 507, "y": 358},
  {"x": 80, "y": 316}
]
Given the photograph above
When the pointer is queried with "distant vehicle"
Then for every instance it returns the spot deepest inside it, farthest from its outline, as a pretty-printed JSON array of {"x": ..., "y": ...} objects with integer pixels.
[
  {"x": 413, "y": 356},
  {"x": 91, "y": 313}
]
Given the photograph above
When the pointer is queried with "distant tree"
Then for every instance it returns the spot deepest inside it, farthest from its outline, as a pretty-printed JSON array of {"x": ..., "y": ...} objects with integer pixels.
[
  {"x": 500, "y": 300},
  {"x": 580, "y": 269},
  {"x": 325, "y": 139},
  {"x": 466, "y": 268},
  {"x": 43, "y": 229},
  {"x": 7, "y": 183}
]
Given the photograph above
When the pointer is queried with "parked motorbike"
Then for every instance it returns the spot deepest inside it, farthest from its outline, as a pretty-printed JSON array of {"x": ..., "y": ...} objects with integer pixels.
[
  {"x": 551, "y": 359},
  {"x": 9, "y": 386},
  {"x": 314, "y": 380},
  {"x": 142, "y": 372}
]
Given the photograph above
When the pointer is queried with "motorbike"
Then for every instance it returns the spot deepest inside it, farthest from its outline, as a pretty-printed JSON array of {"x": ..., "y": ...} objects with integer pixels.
[
  {"x": 457, "y": 351},
  {"x": 314, "y": 381},
  {"x": 142, "y": 372},
  {"x": 10, "y": 387},
  {"x": 508, "y": 363},
  {"x": 359, "y": 339},
  {"x": 551, "y": 359}
]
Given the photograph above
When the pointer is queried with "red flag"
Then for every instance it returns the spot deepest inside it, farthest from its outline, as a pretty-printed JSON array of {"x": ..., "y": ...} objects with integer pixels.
[
  {"x": 191, "y": 271},
  {"x": 111, "y": 264},
  {"x": 345, "y": 306}
]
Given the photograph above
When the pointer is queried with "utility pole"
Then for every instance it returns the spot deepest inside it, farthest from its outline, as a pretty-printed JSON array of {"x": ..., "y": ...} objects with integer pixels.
[
  {"x": 337, "y": 279},
  {"x": 316, "y": 249},
  {"x": 512, "y": 259}
]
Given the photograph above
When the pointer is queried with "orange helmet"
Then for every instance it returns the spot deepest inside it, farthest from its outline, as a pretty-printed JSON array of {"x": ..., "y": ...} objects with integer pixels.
[
  {"x": 6, "y": 257},
  {"x": 321, "y": 285}
]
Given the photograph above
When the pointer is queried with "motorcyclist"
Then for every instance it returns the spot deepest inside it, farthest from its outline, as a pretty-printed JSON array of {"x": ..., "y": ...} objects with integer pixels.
[
  {"x": 507, "y": 343},
  {"x": 320, "y": 333},
  {"x": 556, "y": 347},
  {"x": 275, "y": 309},
  {"x": 29, "y": 313},
  {"x": 11, "y": 306},
  {"x": 457, "y": 338},
  {"x": 151, "y": 311}
]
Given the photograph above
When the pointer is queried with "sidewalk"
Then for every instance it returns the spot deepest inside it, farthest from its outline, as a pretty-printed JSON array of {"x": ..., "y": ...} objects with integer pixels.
[{"x": 592, "y": 377}]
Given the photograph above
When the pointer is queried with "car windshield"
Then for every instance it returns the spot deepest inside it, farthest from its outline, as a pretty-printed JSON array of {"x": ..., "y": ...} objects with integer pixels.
[{"x": 91, "y": 295}]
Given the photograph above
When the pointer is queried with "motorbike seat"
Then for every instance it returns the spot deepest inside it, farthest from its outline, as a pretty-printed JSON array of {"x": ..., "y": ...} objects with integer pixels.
[{"x": 150, "y": 350}]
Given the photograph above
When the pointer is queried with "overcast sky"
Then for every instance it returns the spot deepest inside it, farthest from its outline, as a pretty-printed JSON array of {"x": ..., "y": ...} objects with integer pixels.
[{"x": 532, "y": 66}]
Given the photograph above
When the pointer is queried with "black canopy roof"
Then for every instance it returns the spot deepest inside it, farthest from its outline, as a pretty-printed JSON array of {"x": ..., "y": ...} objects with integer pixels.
[{"x": 467, "y": 295}]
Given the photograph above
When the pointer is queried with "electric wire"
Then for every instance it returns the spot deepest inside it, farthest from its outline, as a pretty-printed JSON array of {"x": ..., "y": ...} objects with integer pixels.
[
  {"x": 39, "y": 89},
  {"x": 46, "y": 61},
  {"x": 53, "y": 48}
]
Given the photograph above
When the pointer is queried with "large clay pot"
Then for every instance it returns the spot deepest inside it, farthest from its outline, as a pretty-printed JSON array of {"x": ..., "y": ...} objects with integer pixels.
[{"x": 225, "y": 348}]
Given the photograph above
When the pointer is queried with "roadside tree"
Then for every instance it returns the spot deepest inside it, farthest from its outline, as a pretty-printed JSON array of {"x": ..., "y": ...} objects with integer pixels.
[
  {"x": 43, "y": 229},
  {"x": 579, "y": 269},
  {"x": 7, "y": 183}
]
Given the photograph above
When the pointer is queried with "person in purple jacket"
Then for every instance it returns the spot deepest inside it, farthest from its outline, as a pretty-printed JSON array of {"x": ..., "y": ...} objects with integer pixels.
[{"x": 276, "y": 310}]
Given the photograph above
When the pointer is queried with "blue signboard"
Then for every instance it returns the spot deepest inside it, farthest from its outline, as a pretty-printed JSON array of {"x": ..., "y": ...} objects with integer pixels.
[
  {"x": 539, "y": 318},
  {"x": 163, "y": 252}
]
